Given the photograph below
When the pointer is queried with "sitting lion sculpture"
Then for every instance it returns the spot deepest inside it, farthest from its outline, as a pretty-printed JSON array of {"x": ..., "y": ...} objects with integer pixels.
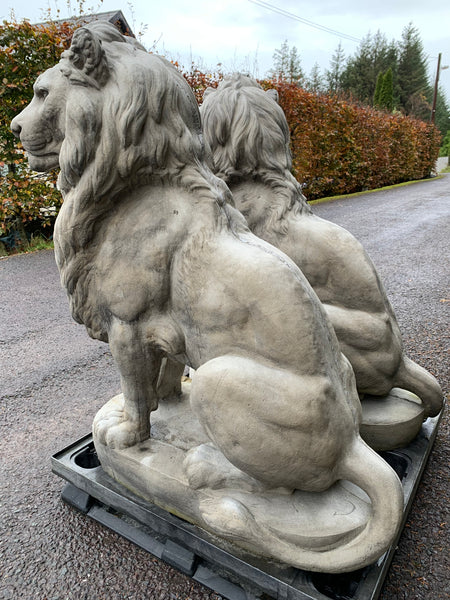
[
  {"x": 157, "y": 263},
  {"x": 248, "y": 135}
]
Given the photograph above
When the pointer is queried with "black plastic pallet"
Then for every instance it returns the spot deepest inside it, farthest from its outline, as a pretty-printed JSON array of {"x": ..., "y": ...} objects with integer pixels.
[{"x": 193, "y": 551}]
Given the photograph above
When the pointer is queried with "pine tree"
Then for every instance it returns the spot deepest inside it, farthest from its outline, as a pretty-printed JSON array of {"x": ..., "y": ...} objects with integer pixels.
[
  {"x": 387, "y": 91},
  {"x": 384, "y": 91},
  {"x": 334, "y": 74},
  {"x": 377, "y": 95},
  {"x": 442, "y": 117},
  {"x": 414, "y": 88},
  {"x": 295, "y": 73},
  {"x": 406, "y": 87},
  {"x": 315, "y": 81},
  {"x": 354, "y": 77},
  {"x": 374, "y": 55},
  {"x": 445, "y": 148},
  {"x": 281, "y": 60},
  {"x": 287, "y": 64}
]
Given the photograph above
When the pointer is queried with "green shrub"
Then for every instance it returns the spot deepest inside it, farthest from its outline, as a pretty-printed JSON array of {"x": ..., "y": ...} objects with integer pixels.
[{"x": 445, "y": 148}]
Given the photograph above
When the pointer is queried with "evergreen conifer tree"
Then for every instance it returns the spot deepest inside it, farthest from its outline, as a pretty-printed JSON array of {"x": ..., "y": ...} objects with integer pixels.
[
  {"x": 315, "y": 81},
  {"x": 334, "y": 74},
  {"x": 442, "y": 117},
  {"x": 387, "y": 91},
  {"x": 375, "y": 55},
  {"x": 287, "y": 64},
  {"x": 379, "y": 85},
  {"x": 414, "y": 88},
  {"x": 445, "y": 148}
]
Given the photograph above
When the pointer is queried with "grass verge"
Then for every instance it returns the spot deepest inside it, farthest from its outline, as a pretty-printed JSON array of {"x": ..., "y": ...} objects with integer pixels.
[{"x": 37, "y": 242}]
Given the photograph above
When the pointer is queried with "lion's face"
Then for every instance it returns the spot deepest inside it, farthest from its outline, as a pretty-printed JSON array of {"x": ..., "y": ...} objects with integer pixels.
[{"x": 41, "y": 125}]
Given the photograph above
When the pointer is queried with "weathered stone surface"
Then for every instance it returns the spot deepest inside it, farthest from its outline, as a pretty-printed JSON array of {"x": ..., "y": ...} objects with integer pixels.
[
  {"x": 177, "y": 469},
  {"x": 392, "y": 421},
  {"x": 249, "y": 136},
  {"x": 157, "y": 263}
]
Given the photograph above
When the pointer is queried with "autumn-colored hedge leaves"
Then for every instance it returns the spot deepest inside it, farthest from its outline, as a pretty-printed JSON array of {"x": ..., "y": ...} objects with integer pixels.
[
  {"x": 25, "y": 51},
  {"x": 339, "y": 147}
]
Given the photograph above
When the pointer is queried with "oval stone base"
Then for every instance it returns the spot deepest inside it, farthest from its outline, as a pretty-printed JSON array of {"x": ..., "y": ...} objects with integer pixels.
[{"x": 391, "y": 421}]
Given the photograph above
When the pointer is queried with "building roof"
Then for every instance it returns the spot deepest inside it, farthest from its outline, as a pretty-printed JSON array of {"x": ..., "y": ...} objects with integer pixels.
[{"x": 113, "y": 16}]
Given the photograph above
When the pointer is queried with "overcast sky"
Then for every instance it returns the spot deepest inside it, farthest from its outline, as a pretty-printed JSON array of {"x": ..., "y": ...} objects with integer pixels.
[{"x": 242, "y": 35}]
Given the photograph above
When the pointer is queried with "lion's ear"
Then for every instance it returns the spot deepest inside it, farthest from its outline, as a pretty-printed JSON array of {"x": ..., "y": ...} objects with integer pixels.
[
  {"x": 88, "y": 57},
  {"x": 273, "y": 94}
]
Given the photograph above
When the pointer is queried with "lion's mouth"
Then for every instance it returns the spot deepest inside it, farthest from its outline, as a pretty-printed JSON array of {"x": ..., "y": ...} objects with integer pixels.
[
  {"x": 40, "y": 150},
  {"x": 37, "y": 147},
  {"x": 41, "y": 154},
  {"x": 41, "y": 157}
]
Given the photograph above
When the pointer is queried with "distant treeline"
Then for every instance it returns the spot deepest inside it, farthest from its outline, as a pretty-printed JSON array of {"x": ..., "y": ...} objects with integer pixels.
[{"x": 390, "y": 75}]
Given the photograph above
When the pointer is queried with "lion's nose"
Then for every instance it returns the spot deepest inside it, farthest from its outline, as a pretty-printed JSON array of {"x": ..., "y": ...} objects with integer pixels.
[{"x": 15, "y": 127}]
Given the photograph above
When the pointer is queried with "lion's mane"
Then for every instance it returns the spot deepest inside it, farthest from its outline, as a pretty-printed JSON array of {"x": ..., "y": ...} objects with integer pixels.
[
  {"x": 248, "y": 134},
  {"x": 131, "y": 121}
]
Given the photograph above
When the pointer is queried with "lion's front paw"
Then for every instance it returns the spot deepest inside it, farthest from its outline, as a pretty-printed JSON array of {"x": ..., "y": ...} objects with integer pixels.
[{"x": 115, "y": 430}]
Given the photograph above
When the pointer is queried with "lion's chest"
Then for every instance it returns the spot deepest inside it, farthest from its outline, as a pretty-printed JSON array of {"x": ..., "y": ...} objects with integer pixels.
[{"x": 127, "y": 287}]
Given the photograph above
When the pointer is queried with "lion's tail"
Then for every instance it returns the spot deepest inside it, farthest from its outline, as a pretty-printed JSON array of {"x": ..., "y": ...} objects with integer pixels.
[
  {"x": 416, "y": 379},
  {"x": 363, "y": 467}
]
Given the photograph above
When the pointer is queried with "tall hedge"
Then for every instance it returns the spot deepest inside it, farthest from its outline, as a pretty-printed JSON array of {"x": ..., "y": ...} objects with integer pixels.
[
  {"x": 27, "y": 199},
  {"x": 340, "y": 148}
]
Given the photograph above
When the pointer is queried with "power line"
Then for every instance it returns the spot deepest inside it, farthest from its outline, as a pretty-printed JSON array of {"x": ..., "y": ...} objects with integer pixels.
[{"x": 290, "y": 15}]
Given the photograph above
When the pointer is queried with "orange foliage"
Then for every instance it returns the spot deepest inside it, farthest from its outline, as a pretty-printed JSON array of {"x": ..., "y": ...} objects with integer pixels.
[
  {"x": 200, "y": 81},
  {"x": 26, "y": 199},
  {"x": 339, "y": 147}
]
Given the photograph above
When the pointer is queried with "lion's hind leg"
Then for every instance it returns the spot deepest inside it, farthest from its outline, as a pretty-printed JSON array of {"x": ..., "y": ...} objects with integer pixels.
[
  {"x": 269, "y": 422},
  {"x": 206, "y": 466}
]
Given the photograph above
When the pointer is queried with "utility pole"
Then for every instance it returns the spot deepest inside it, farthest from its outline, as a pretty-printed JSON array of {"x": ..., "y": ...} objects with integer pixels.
[{"x": 436, "y": 83}]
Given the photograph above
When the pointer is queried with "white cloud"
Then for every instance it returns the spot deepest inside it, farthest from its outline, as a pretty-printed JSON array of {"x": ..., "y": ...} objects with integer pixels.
[{"x": 238, "y": 32}]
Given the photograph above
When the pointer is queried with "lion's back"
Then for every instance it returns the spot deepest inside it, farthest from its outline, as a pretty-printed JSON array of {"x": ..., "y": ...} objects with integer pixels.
[{"x": 241, "y": 288}]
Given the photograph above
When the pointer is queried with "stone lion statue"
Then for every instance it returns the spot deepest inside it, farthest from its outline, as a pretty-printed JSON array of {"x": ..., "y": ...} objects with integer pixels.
[
  {"x": 248, "y": 134},
  {"x": 157, "y": 263}
]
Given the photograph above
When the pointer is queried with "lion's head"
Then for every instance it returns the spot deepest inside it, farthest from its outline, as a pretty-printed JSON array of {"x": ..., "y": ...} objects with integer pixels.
[
  {"x": 41, "y": 126},
  {"x": 47, "y": 122},
  {"x": 248, "y": 134},
  {"x": 245, "y": 127},
  {"x": 113, "y": 117}
]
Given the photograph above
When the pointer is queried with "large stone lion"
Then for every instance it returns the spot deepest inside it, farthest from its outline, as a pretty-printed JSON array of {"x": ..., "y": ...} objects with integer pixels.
[
  {"x": 158, "y": 264},
  {"x": 248, "y": 134}
]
